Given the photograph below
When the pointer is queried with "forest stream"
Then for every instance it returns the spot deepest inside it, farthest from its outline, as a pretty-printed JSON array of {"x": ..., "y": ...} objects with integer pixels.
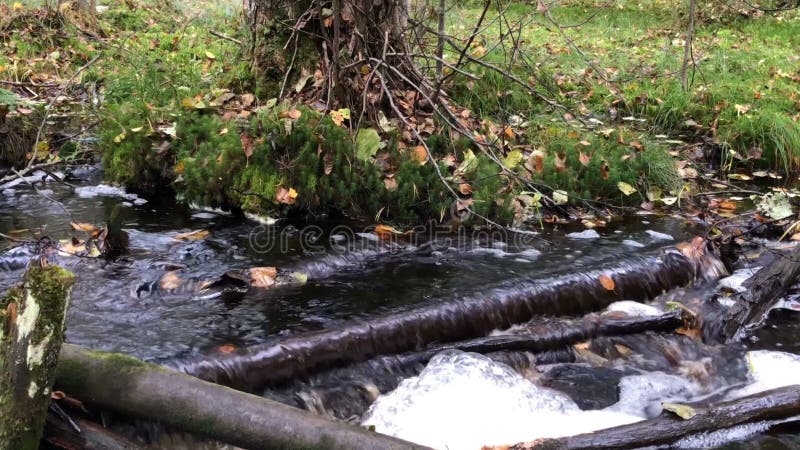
[{"x": 333, "y": 273}]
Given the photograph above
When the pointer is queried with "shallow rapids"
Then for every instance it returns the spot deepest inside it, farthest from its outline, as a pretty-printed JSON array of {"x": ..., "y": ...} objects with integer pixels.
[{"x": 337, "y": 274}]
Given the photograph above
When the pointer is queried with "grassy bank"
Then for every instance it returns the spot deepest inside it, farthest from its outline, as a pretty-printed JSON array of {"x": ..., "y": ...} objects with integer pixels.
[{"x": 175, "y": 108}]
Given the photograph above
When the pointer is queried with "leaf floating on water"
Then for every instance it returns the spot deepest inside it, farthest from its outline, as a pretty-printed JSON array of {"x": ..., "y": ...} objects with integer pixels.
[
  {"x": 71, "y": 247},
  {"x": 80, "y": 226},
  {"x": 263, "y": 277},
  {"x": 227, "y": 348},
  {"x": 192, "y": 235},
  {"x": 685, "y": 412},
  {"x": 170, "y": 281},
  {"x": 300, "y": 277},
  {"x": 386, "y": 231},
  {"x": 607, "y": 282}
]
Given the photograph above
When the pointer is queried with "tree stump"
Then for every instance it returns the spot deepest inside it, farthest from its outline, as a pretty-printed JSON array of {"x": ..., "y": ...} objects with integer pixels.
[{"x": 31, "y": 333}]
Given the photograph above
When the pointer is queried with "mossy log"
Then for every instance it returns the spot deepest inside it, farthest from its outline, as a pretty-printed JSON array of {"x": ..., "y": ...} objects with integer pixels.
[
  {"x": 761, "y": 293},
  {"x": 413, "y": 330},
  {"x": 668, "y": 428},
  {"x": 132, "y": 387},
  {"x": 31, "y": 333}
]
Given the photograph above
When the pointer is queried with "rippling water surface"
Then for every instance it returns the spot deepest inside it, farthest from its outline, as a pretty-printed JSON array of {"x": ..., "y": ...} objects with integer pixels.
[{"x": 348, "y": 272}]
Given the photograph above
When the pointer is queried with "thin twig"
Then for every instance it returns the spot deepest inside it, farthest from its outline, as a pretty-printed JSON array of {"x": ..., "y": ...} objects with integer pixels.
[
  {"x": 225, "y": 37},
  {"x": 52, "y": 101}
]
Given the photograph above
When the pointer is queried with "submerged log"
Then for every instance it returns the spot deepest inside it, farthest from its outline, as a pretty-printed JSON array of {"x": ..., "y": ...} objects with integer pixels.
[
  {"x": 552, "y": 334},
  {"x": 412, "y": 330},
  {"x": 138, "y": 389},
  {"x": 669, "y": 428},
  {"x": 31, "y": 332},
  {"x": 761, "y": 293}
]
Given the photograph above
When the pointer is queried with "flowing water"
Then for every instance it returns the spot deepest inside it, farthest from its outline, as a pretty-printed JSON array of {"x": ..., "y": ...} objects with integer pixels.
[{"x": 334, "y": 272}]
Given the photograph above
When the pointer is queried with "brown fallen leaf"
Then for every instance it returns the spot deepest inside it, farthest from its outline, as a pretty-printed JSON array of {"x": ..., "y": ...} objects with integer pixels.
[
  {"x": 465, "y": 188},
  {"x": 286, "y": 196},
  {"x": 420, "y": 155},
  {"x": 80, "y": 226},
  {"x": 584, "y": 158},
  {"x": 192, "y": 235},
  {"x": 263, "y": 277},
  {"x": 248, "y": 144},
  {"x": 607, "y": 282}
]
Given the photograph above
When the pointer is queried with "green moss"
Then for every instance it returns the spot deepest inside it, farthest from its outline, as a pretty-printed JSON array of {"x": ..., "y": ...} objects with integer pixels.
[
  {"x": 209, "y": 158},
  {"x": 129, "y": 156},
  {"x": 609, "y": 163},
  {"x": 50, "y": 286}
]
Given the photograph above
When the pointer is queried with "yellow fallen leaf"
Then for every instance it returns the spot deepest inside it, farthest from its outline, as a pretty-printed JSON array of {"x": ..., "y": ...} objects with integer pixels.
[
  {"x": 626, "y": 188},
  {"x": 685, "y": 412},
  {"x": 210, "y": 55},
  {"x": 17, "y": 6}
]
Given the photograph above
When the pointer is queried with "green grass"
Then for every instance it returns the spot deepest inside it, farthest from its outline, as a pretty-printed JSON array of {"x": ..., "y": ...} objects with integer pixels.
[{"x": 638, "y": 46}]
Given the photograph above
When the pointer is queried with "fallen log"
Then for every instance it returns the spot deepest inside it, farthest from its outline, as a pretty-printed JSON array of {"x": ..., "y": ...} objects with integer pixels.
[
  {"x": 134, "y": 388},
  {"x": 761, "y": 293},
  {"x": 550, "y": 334},
  {"x": 91, "y": 436},
  {"x": 668, "y": 428},
  {"x": 412, "y": 330},
  {"x": 347, "y": 392},
  {"x": 31, "y": 332}
]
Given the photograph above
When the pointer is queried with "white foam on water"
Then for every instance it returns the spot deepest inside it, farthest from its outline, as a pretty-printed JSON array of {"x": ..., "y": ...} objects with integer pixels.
[
  {"x": 632, "y": 243},
  {"x": 634, "y": 309},
  {"x": 721, "y": 437},
  {"x": 464, "y": 401},
  {"x": 660, "y": 236},
  {"x": 522, "y": 256},
  {"x": 218, "y": 211},
  {"x": 735, "y": 281},
  {"x": 104, "y": 190},
  {"x": 36, "y": 177},
  {"x": 769, "y": 370},
  {"x": 263, "y": 220},
  {"x": 642, "y": 395},
  {"x": 585, "y": 234}
]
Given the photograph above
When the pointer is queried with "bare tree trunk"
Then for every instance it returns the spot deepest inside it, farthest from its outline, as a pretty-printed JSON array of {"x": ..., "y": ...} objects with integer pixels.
[
  {"x": 359, "y": 47},
  {"x": 31, "y": 333}
]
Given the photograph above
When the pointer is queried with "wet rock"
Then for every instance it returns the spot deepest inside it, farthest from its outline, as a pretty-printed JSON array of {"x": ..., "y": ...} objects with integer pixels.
[{"x": 589, "y": 387}]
